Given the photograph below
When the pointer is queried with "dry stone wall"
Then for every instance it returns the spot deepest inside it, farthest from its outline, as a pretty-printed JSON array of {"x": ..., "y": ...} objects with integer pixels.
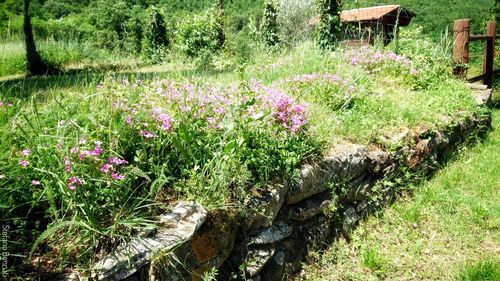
[{"x": 271, "y": 236}]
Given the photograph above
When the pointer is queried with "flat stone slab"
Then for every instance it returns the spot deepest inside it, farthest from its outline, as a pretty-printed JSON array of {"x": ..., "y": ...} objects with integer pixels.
[
  {"x": 262, "y": 210},
  {"x": 483, "y": 97},
  {"x": 344, "y": 163},
  {"x": 176, "y": 227},
  {"x": 272, "y": 234},
  {"x": 309, "y": 208},
  {"x": 258, "y": 258}
]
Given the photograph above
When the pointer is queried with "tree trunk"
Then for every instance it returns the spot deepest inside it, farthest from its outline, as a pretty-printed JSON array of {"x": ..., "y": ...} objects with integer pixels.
[
  {"x": 34, "y": 61},
  {"x": 220, "y": 7}
]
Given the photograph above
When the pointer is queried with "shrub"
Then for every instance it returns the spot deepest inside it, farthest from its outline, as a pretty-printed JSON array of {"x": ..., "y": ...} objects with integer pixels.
[
  {"x": 329, "y": 23},
  {"x": 270, "y": 27},
  {"x": 110, "y": 20},
  {"x": 200, "y": 33},
  {"x": 156, "y": 39}
]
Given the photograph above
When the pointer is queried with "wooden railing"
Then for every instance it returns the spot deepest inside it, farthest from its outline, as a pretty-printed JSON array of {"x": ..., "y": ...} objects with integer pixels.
[{"x": 462, "y": 37}]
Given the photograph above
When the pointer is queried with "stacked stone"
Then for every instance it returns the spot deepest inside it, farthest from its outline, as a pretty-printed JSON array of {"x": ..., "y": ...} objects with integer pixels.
[{"x": 269, "y": 238}]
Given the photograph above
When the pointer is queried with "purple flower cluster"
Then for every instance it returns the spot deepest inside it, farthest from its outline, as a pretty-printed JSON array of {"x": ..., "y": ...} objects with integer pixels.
[
  {"x": 160, "y": 105},
  {"x": 159, "y": 108},
  {"x": 75, "y": 181},
  {"x": 81, "y": 155},
  {"x": 111, "y": 165},
  {"x": 24, "y": 158},
  {"x": 290, "y": 114},
  {"x": 95, "y": 153},
  {"x": 374, "y": 60}
]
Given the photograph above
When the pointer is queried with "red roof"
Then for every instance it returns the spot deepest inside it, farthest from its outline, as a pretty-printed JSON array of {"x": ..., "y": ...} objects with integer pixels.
[
  {"x": 366, "y": 14},
  {"x": 373, "y": 14}
]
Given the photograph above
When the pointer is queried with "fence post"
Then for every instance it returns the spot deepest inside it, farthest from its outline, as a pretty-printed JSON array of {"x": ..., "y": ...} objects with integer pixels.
[
  {"x": 461, "y": 29},
  {"x": 489, "y": 54}
]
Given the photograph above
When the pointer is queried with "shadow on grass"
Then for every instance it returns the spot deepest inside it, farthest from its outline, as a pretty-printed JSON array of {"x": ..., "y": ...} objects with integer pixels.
[{"x": 23, "y": 87}]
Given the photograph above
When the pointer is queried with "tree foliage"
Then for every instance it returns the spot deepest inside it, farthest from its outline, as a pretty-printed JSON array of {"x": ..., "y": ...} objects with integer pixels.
[{"x": 201, "y": 33}]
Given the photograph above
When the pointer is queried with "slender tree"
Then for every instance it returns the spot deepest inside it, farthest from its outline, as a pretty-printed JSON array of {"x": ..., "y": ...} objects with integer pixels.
[
  {"x": 329, "y": 23},
  {"x": 34, "y": 62},
  {"x": 220, "y": 7},
  {"x": 270, "y": 27},
  {"x": 221, "y": 37}
]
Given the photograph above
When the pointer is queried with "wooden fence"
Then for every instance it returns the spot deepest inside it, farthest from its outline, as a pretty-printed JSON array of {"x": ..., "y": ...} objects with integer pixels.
[{"x": 462, "y": 37}]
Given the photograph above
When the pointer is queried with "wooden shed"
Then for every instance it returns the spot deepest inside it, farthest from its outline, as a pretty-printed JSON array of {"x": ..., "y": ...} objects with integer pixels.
[
  {"x": 376, "y": 21},
  {"x": 366, "y": 24}
]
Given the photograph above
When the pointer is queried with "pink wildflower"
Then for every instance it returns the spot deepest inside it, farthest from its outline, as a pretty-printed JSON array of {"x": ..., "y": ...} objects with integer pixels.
[
  {"x": 73, "y": 182},
  {"x": 147, "y": 134},
  {"x": 117, "y": 176},
  {"x": 105, "y": 168},
  {"x": 67, "y": 165},
  {"x": 288, "y": 113},
  {"x": 24, "y": 163},
  {"x": 35, "y": 182},
  {"x": 117, "y": 161},
  {"x": 96, "y": 152},
  {"x": 166, "y": 121},
  {"x": 25, "y": 153}
]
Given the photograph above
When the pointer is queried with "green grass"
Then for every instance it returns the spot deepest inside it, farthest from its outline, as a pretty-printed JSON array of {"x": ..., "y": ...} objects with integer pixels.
[
  {"x": 63, "y": 54},
  {"x": 487, "y": 270},
  {"x": 449, "y": 229}
]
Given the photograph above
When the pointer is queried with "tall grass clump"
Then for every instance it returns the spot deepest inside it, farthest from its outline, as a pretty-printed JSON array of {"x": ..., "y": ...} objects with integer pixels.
[{"x": 431, "y": 59}]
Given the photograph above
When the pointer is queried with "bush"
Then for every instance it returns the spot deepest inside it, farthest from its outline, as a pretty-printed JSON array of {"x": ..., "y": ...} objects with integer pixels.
[
  {"x": 110, "y": 20},
  {"x": 200, "y": 33}
]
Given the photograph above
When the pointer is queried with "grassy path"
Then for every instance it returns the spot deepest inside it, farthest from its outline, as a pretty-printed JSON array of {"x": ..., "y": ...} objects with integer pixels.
[{"x": 449, "y": 229}]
